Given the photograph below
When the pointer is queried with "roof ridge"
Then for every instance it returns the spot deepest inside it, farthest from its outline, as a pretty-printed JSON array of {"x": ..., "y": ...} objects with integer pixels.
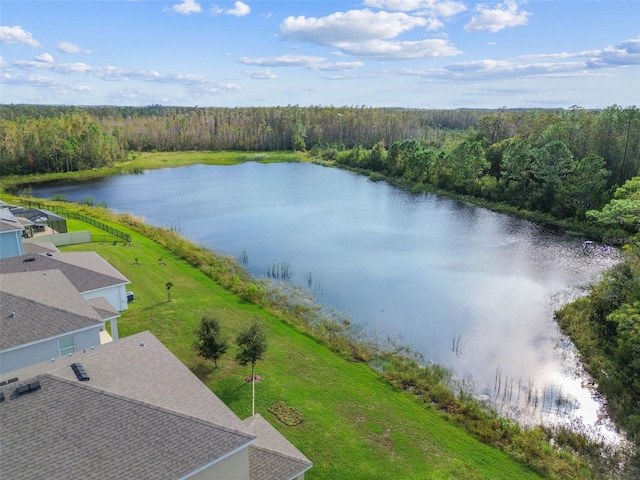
[
  {"x": 284, "y": 455},
  {"x": 55, "y": 257},
  {"x": 98, "y": 318},
  {"x": 144, "y": 404}
]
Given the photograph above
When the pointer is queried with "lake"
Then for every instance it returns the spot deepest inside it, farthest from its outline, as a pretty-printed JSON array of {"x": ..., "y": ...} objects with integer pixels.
[{"x": 467, "y": 287}]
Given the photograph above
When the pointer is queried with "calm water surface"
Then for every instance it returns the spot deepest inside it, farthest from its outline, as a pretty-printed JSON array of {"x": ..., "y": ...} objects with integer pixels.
[{"x": 467, "y": 287}]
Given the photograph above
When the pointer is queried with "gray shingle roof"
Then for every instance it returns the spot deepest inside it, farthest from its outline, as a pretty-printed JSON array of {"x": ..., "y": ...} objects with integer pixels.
[
  {"x": 143, "y": 370},
  {"x": 149, "y": 374},
  {"x": 87, "y": 271},
  {"x": 269, "y": 438},
  {"x": 269, "y": 465},
  {"x": 68, "y": 430},
  {"x": 34, "y": 321},
  {"x": 103, "y": 308},
  {"x": 45, "y": 304},
  {"x": 31, "y": 247}
]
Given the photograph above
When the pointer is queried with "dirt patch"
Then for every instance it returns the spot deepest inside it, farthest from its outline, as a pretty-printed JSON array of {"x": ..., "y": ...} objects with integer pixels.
[{"x": 286, "y": 414}]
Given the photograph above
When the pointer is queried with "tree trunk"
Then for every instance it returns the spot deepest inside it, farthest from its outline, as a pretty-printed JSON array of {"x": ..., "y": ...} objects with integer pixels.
[{"x": 253, "y": 390}]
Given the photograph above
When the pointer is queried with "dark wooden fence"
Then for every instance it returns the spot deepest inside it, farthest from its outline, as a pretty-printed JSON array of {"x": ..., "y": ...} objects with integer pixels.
[{"x": 125, "y": 237}]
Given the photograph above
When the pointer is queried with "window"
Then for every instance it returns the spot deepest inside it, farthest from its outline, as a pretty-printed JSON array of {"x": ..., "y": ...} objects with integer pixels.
[{"x": 67, "y": 345}]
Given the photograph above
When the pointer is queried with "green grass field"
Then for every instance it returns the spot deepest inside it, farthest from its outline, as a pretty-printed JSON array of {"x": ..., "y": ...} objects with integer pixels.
[{"x": 356, "y": 426}]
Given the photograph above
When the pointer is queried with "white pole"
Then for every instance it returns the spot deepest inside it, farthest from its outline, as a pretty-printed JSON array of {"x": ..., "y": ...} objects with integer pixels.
[{"x": 253, "y": 392}]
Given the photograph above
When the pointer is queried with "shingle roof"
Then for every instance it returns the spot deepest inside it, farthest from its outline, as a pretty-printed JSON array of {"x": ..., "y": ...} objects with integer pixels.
[
  {"x": 103, "y": 308},
  {"x": 87, "y": 271},
  {"x": 143, "y": 370},
  {"x": 269, "y": 465},
  {"x": 149, "y": 374},
  {"x": 269, "y": 438},
  {"x": 8, "y": 222},
  {"x": 68, "y": 430},
  {"x": 38, "y": 247},
  {"x": 39, "y": 305}
]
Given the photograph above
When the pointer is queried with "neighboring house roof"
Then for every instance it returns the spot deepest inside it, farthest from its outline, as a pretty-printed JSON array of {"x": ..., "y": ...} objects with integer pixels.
[
  {"x": 8, "y": 222},
  {"x": 34, "y": 214},
  {"x": 140, "y": 369},
  {"x": 268, "y": 465},
  {"x": 272, "y": 457},
  {"x": 35, "y": 306},
  {"x": 68, "y": 429},
  {"x": 87, "y": 271},
  {"x": 25, "y": 222},
  {"x": 103, "y": 308},
  {"x": 30, "y": 247}
]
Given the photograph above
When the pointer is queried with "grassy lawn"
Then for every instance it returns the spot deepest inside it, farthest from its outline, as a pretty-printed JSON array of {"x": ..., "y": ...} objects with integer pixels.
[
  {"x": 139, "y": 162},
  {"x": 356, "y": 426}
]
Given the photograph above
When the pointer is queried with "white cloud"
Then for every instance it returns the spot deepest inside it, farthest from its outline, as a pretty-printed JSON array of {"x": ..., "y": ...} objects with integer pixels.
[
  {"x": 45, "y": 57},
  {"x": 338, "y": 66},
  {"x": 17, "y": 35},
  {"x": 55, "y": 67},
  {"x": 187, "y": 7},
  {"x": 260, "y": 74},
  {"x": 308, "y": 62},
  {"x": 240, "y": 9},
  {"x": 113, "y": 73},
  {"x": 437, "y": 8},
  {"x": 49, "y": 83},
  {"x": 394, "y": 50},
  {"x": 3, "y": 64},
  {"x": 282, "y": 61},
  {"x": 434, "y": 24},
  {"x": 504, "y": 15},
  {"x": 625, "y": 53},
  {"x": 68, "y": 47},
  {"x": 367, "y": 34},
  {"x": 352, "y": 26}
]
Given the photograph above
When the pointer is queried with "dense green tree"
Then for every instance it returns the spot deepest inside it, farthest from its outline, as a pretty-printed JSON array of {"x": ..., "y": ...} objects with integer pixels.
[
  {"x": 210, "y": 343},
  {"x": 516, "y": 173},
  {"x": 552, "y": 164},
  {"x": 623, "y": 210},
  {"x": 583, "y": 187},
  {"x": 467, "y": 164}
]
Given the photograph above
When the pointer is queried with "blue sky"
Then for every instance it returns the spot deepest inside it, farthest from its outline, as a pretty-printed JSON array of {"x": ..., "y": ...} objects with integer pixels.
[{"x": 376, "y": 53}]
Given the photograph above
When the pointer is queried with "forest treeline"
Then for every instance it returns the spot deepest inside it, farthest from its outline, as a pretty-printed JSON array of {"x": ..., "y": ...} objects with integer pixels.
[{"x": 562, "y": 162}]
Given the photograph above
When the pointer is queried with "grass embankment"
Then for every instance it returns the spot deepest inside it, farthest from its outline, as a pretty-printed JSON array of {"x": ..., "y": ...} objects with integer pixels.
[
  {"x": 357, "y": 425},
  {"x": 139, "y": 162}
]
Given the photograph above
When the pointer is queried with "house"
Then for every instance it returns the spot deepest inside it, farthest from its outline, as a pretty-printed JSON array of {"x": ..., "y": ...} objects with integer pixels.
[
  {"x": 43, "y": 316},
  {"x": 89, "y": 273},
  {"x": 53, "y": 303},
  {"x": 39, "y": 219},
  {"x": 131, "y": 409},
  {"x": 11, "y": 231}
]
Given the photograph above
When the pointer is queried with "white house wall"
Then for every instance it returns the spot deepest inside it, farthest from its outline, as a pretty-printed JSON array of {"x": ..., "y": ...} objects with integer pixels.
[
  {"x": 116, "y": 296},
  {"x": 46, "y": 350}
]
